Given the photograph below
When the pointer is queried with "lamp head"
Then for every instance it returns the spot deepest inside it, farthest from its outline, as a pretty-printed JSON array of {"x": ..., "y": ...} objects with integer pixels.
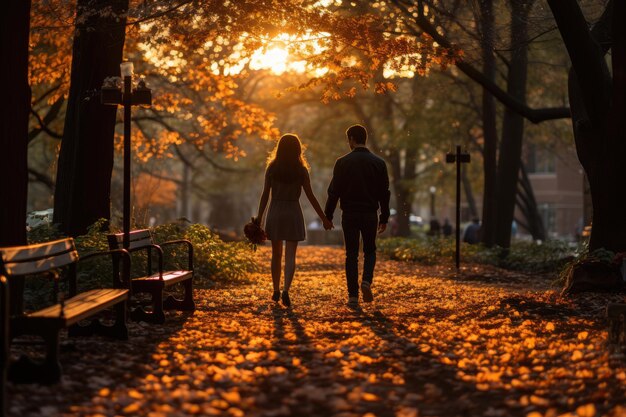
[{"x": 126, "y": 69}]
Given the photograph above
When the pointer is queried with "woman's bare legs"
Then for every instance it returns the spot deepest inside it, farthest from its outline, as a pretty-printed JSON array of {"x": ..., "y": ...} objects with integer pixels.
[
  {"x": 290, "y": 262},
  {"x": 277, "y": 254}
]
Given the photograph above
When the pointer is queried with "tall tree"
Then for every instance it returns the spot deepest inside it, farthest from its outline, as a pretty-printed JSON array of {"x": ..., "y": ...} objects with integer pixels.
[
  {"x": 598, "y": 101},
  {"x": 510, "y": 154},
  {"x": 83, "y": 187},
  {"x": 14, "y": 34},
  {"x": 490, "y": 132}
]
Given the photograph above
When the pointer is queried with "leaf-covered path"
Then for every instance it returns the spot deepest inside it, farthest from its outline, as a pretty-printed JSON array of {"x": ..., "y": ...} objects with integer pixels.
[{"x": 484, "y": 343}]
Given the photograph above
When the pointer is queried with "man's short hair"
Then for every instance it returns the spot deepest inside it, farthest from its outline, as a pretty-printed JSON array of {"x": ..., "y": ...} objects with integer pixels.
[{"x": 358, "y": 133}]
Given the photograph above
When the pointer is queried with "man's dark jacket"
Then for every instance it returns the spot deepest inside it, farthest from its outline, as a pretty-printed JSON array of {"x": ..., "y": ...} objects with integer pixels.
[{"x": 361, "y": 185}]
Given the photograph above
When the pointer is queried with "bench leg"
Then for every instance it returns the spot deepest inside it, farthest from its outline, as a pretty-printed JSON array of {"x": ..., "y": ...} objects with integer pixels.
[
  {"x": 157, "y": 315},
  {"x": 186, "y": 304},
  {"x": 118, "y": 330},
  {"x": 52, "y": 365},
  {"x": 26, "y": 371}
]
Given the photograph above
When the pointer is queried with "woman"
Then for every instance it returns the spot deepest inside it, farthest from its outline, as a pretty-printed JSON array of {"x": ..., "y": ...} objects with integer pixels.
[{"x": 286, "y": 175}]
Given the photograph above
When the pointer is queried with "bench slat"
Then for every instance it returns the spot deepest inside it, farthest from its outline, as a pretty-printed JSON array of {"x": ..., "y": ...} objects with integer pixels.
[
  {"x": 137, "y": 239},
  {"x": 82, "y": 305},
  {"x": 169, "y": 277},
  {"x": 40, "y": 265},
  {"x": 40, "y": 250}
]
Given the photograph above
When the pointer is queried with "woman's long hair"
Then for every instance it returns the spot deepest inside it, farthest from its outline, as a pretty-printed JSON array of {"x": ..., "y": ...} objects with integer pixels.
[{"x": 287, "y": 163}]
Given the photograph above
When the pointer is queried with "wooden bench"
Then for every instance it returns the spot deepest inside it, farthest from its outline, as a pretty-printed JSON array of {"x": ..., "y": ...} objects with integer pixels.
[
  {"x": 155, "y": 282},
  {"x": 54, "y": 260}
]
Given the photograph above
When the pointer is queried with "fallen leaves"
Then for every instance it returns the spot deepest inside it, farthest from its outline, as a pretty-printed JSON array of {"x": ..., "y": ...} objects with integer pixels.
[{"x": 430, "y": 345}]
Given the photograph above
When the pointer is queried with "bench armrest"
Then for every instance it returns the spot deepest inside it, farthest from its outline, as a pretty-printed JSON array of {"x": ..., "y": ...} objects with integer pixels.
[
  {"x": 117, "y": 283},
  {"x": 147, "y": 249},
  {"x": 189, "y": 250}
]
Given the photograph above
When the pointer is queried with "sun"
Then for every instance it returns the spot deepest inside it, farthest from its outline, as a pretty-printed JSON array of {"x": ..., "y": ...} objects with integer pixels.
[{"x": 276, "y": 59}]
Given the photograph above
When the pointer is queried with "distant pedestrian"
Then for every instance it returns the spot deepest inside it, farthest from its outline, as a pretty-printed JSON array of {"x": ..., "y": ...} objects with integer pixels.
[
  {"x": 446, "y": 228},
  {"x": 435, "y": 227},
  {"x": 472, "y": 232}
]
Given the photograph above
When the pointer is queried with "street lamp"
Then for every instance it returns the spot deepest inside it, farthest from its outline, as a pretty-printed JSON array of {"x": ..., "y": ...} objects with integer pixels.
[
  {"x": 432, "y": 190},
  {"x": 114, "y": 93},
  {"x": 458, "y": 158}
]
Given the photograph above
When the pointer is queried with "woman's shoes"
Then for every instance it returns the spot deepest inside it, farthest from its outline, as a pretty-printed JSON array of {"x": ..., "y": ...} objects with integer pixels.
[
  {"x": 286, "y": 300},
  {"x": 285, "y": 297}
]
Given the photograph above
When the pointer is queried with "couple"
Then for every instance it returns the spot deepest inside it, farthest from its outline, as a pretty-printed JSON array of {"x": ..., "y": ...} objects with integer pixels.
[{"x": 360, "y": 184}]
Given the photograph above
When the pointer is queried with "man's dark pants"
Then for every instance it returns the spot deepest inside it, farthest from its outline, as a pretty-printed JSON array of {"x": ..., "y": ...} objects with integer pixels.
[{"x": 355, "y": 226}]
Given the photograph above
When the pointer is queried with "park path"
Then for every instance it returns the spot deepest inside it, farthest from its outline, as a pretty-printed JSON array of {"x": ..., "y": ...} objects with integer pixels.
[{"x": 433, "y": 344}]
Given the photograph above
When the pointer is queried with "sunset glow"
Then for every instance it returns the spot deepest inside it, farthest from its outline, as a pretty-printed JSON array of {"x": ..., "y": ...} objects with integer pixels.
[{"x": 274, "y": 59}]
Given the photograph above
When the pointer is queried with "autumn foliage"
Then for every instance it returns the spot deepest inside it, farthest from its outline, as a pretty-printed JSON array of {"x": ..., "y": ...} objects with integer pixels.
[{"x": 196, "y": 57}]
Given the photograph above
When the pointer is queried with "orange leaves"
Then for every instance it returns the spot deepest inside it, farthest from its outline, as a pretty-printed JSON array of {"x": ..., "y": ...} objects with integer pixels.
[
  {"x": 384, "y": 87},
  {"x": 150, "y": 191},
  {"x": 430, "y": 345}
]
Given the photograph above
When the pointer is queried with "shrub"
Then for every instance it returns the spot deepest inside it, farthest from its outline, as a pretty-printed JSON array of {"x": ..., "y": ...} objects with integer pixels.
[
  {"x": 213, "y": 258},
  {"x": 522, "y": 256}
]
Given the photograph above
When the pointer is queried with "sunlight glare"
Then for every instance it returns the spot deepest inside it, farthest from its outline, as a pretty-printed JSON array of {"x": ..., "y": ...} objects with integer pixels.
[{"x": 275, "y": 59}]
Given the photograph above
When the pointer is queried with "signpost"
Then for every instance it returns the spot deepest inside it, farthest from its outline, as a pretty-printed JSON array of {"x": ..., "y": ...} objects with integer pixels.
[{"x": 458, "y": 158}]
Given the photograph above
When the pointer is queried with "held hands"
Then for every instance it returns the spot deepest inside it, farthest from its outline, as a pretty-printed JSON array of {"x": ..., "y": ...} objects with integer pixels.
[
  {"x": 327, "y": 224},
  {"x": 382, "y": 227}
]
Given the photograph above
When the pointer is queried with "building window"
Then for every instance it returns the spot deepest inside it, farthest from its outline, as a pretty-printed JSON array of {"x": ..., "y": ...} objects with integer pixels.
[{"x": 540, "y": 160}]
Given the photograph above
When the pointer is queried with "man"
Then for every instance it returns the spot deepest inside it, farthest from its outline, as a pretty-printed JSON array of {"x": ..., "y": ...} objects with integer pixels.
[
  {"x": 361, "y": 185},
  {"x": 472, "y": 232}
]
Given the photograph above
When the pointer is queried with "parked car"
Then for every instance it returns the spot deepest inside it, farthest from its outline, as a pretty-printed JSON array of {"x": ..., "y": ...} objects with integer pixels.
[{"x": 38, "y": 218}]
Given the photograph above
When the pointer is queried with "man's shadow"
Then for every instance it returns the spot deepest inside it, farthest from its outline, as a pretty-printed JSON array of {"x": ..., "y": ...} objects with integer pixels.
[{"x": 437, "y": 384}]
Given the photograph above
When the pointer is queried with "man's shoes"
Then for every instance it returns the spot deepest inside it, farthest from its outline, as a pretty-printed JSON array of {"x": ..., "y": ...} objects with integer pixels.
[
  {"x": 353, "y": 302},
  {"x": 276, "y": 296},
  {"x": 286, "y": 300},
  {"x": 367, "y": 292}
]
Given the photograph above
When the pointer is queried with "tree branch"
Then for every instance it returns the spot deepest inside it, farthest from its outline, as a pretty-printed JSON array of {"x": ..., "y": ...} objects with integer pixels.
[
  {"x": 586, "y": 56},
  {"x": 533, "y": 115},
  {"x": 37, "y": 176},
  {"x": 47, "y": 119}
]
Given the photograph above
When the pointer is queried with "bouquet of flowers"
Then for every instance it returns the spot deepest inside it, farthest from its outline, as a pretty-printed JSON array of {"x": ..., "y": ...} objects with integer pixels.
[{"x": 254, "y": 232}]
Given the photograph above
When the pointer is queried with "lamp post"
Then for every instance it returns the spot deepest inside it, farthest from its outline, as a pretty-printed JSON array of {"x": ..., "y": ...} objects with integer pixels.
[
  {"x": 113, "y": 94},
  {"x": 432, "y": 190},
  {"x": 458, "y": 158}
]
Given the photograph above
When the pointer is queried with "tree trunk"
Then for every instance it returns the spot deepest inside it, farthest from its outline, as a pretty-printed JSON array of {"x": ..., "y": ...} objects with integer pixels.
[
  {"x": 469, "y": 195},
  {"x": 512, "y": 124},
  {"x": 86, "y": 158},
  {"x": 14, "y": 36},
  {"x": 598, "y": 106},
  {"x": 490, "y": 133},
  {"x": 608, "y": 174},
  {"x": 527, "y": 204},
  {"x": 184, "y": 193},
  {"x": 403, "y": 196}
]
